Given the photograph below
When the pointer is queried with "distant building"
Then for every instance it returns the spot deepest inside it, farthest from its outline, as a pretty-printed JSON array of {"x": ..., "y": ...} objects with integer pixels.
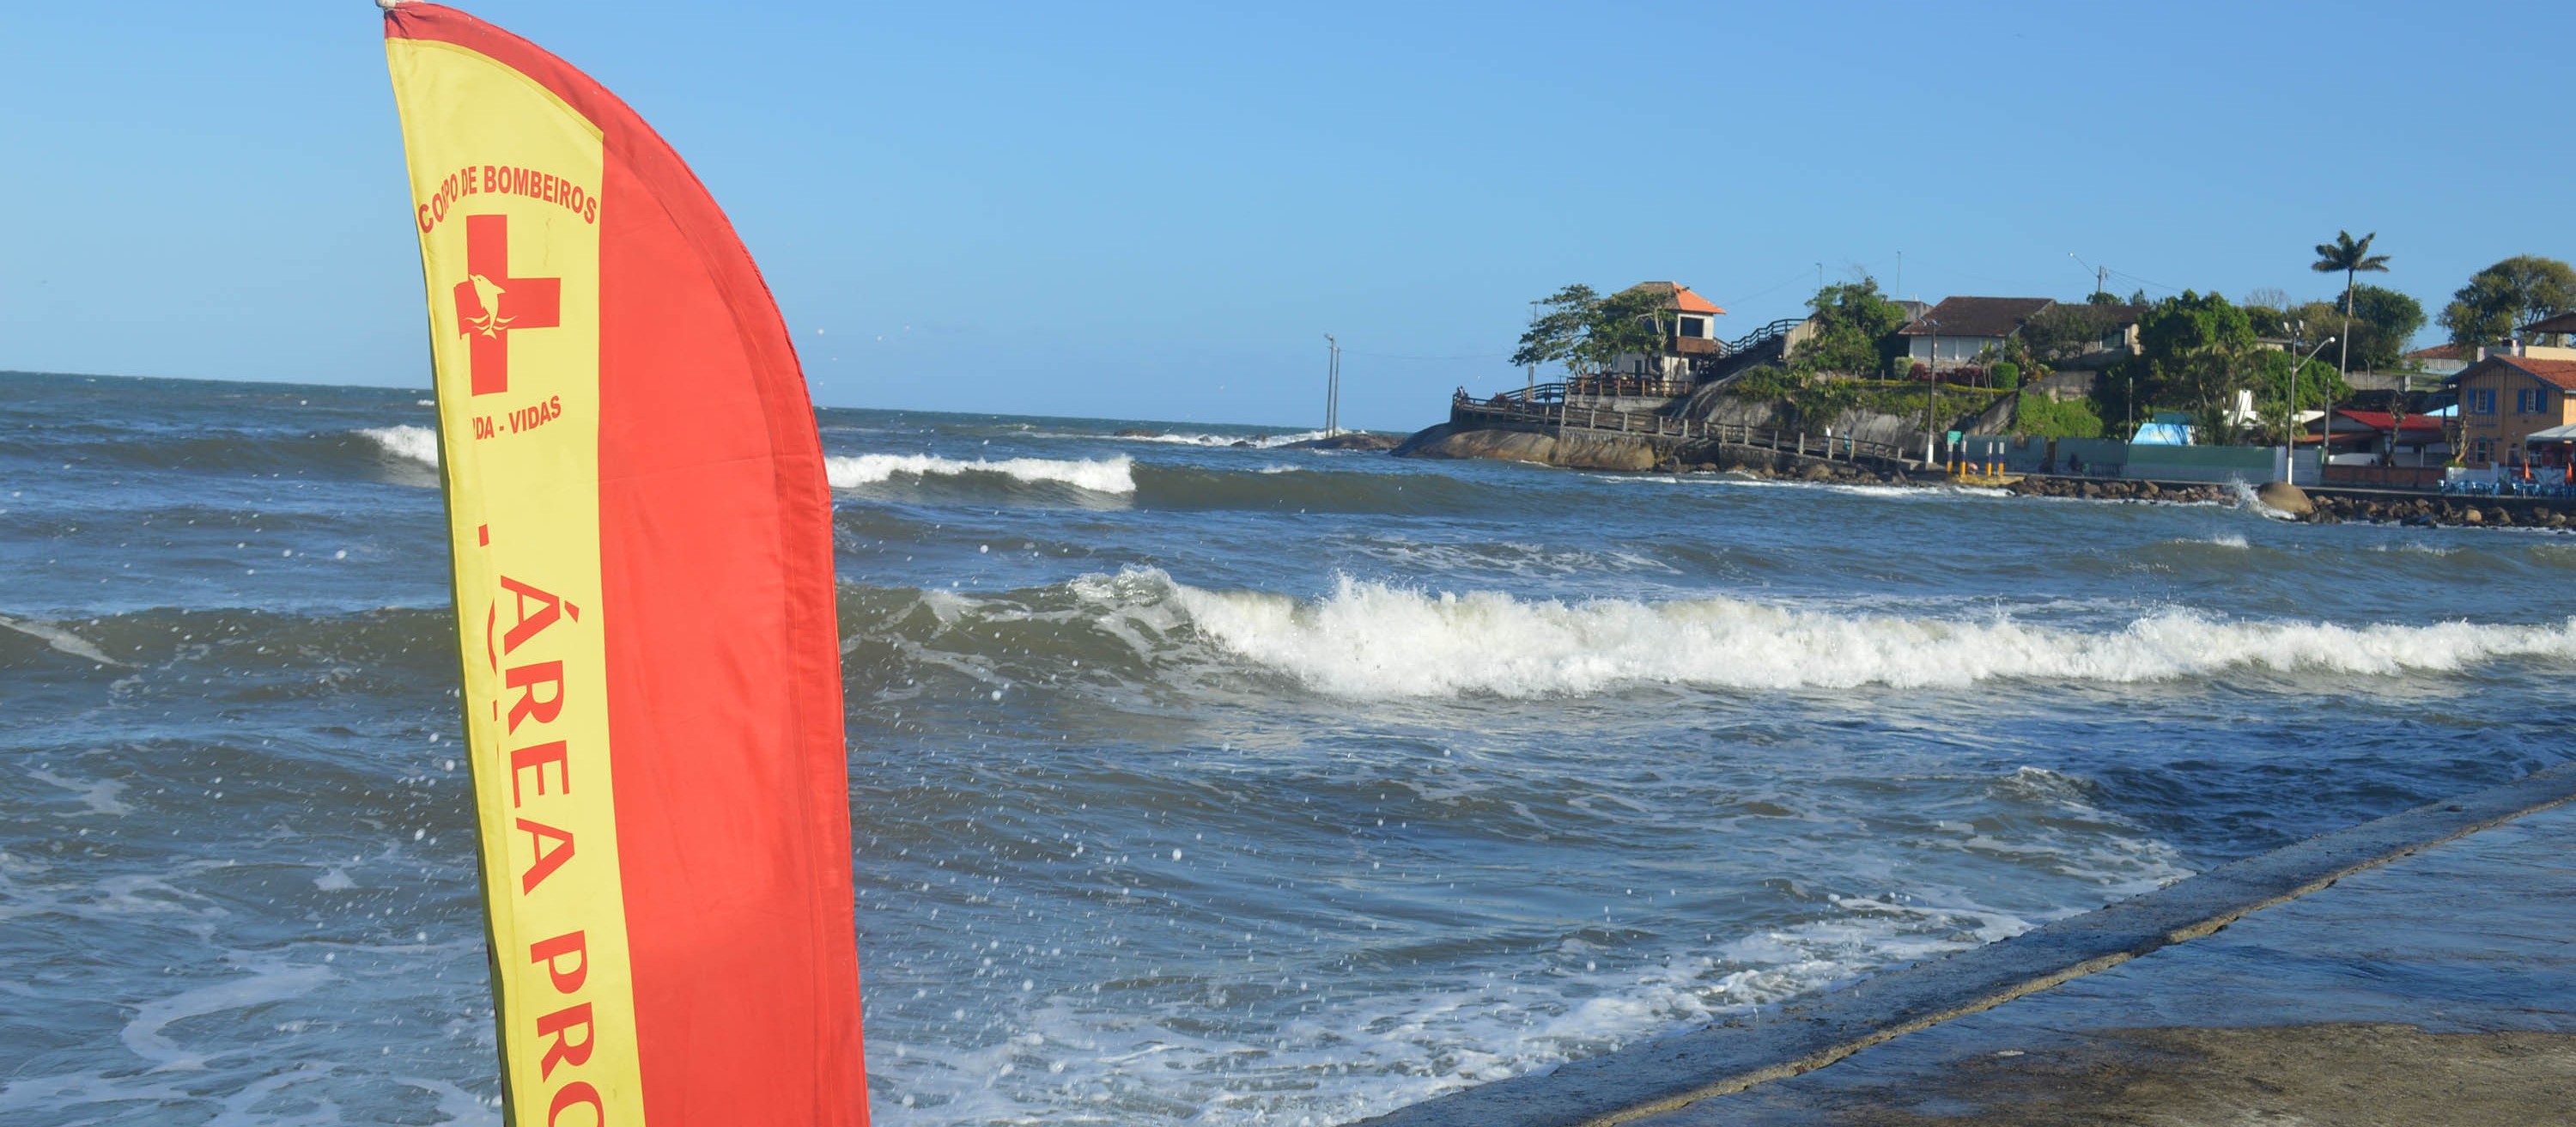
[
  {"x": 2550, "y": 338},
  {"x": 2440, "y": 360},
  {"x": 1690, "y": 335},
  {"x": 1962, "y": 331},
  {"x": 2361, "y": 438},
  {"x": 2505, "y": 398}
]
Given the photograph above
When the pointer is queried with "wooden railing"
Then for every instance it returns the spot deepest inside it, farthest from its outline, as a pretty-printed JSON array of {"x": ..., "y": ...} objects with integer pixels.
[
  {"x": 1546, "y": 405},
  {"x": 1764, "y": 335}
]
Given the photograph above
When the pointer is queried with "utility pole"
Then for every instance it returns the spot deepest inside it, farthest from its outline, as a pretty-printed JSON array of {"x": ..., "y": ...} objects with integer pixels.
[
  {"x": 2101, "y": 274},
  {"x": 1332, "y": 385},
  {"x": 1932, "y": 390},
  {"x": 1529, "y": 389}
]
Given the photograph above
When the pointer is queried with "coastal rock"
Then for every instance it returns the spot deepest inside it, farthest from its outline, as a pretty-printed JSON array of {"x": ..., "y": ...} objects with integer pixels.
[
  {"x": 2281, "y": 496},
  {"x": 1351, "y": 440},
  {"x": 1583, "y": 453}
]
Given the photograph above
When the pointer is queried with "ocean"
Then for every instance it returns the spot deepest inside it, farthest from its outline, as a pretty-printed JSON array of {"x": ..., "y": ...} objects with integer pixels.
[{"x": 1195, "y": 778}]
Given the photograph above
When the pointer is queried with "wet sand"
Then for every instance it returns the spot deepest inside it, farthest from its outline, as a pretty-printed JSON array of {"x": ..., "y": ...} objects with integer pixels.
[{"x": 2357, "y": 1075}]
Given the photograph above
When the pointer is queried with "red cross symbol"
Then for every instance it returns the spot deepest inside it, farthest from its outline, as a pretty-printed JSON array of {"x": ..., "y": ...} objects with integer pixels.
[{"x": 490, "y": 303}]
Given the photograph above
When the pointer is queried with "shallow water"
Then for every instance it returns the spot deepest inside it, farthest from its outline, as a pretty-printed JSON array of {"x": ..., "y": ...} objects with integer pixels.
[{"x": 1194, "y": 782}]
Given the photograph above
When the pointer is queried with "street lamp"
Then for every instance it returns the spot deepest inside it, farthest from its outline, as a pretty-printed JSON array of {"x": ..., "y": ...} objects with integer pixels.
[{"x": 2289, "y": 467}]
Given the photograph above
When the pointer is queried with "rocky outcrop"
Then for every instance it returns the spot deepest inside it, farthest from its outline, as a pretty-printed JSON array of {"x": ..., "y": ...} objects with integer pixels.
[
  {"x": 1578, "y": 451},
  {"x": 2484, "y": 512},
  {"x": 1351, "y": 440},
  {"x": 2115, "y": 489}
]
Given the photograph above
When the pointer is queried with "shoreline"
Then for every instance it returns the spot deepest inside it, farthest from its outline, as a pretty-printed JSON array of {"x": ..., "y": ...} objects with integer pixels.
[{"x": 1613, "y": 453}]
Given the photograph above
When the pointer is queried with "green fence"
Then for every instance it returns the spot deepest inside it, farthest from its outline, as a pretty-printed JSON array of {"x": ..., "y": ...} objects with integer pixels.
[{"x": 2106, "y": 457}]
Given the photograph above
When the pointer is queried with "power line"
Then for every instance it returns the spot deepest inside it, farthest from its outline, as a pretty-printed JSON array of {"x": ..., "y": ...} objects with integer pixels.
[{"x": 1394, "y": 356}]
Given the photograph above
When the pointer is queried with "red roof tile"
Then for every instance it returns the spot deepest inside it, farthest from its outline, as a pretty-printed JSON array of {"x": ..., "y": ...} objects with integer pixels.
[
  {"x": 1679, "y": 296},
  {"x": 2557, "y": 373},
  {"x": 2379, "y": 420}
]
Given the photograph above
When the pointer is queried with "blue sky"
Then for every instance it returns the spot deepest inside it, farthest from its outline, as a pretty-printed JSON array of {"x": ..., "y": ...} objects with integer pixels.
[{"x": 1158, "y": 211}]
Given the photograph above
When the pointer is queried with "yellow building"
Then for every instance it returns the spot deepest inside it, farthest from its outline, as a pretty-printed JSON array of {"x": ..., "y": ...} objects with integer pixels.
[{"x": 2504, "y": 398}]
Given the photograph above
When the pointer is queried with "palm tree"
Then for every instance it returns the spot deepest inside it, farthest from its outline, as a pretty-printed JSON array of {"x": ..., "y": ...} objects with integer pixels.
[{"x": 2351, "y": 257}]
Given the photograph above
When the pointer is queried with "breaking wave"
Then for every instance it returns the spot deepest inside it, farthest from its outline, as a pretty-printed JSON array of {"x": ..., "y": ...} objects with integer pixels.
[
  {"x": 1257, "y": 441},
  {"x": 411, "y": 443},
  {"x": 1104, "y": 475},
  {"x": 1371, "y": 640}
]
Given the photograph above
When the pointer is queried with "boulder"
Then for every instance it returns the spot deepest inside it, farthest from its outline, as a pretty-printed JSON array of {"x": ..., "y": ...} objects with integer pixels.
[{"x": 2281, "y": 496}]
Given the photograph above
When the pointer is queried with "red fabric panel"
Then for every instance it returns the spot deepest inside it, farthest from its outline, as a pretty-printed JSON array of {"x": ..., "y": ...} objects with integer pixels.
[{"x": 724, "y": 686}]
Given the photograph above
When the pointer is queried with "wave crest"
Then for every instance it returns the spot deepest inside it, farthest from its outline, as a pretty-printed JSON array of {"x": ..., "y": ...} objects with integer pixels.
[
  {"x": 1372, "y": 640},
  {"x": 1105, "y": 475},
  {"x": 406, "y": 442}
]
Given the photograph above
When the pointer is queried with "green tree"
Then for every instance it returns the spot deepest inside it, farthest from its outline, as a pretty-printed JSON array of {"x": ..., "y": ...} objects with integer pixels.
[
  {"x": 2351, "y": 257},
  {"x": 2506, "y": 296},
  {"x": 2315, "y": 385},
  {"x": 1853, "y": 324},
  {"x": 1585, "y": 331},
  {"x": 2063, "y": 332},
  {"x": 1558, "y": 335},
  {"x": 1631, "y": 320},
  {"x": 2384, "y": 323},
  {"x": 2194, "y": 353}
]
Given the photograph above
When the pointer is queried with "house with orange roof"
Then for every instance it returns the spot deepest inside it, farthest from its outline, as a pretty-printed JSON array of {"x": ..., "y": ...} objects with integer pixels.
[
  {"x": 1689, "y": 324},
  {"x": 2506, "y": 398}
]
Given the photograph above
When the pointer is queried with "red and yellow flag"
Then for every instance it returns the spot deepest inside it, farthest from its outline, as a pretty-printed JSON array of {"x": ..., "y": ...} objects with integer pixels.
[{"x": 643, "y": 564}]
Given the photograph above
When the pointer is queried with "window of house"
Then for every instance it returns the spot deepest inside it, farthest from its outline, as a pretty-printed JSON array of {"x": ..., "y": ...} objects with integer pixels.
[
  {"x": 2483, "y": 400},
  {"x": 2478, "y": 451},
  {"x": 1694, "y": 326}
]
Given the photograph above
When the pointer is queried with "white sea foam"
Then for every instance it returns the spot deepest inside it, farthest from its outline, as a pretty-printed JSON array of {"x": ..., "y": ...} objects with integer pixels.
[
  {"x": 1883, "y": 492},
  {"x": 1369, "y": 640},
  {"x": 146, "y": 1035},
  {"x": 417, "y": 444},
  {"x": 100, "y": 795},
  {"x": 1262, "y": 441},
  {"x": 1065, "y": 1058},
  {"x": 2222, "y": 540},
  {"x": 1104, "y": 475},
  {"x": 60, "y": 639}
]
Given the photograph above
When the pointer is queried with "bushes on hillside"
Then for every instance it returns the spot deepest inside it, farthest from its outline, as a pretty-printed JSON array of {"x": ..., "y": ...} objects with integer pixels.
[{"x": 2039, "y": 416}]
